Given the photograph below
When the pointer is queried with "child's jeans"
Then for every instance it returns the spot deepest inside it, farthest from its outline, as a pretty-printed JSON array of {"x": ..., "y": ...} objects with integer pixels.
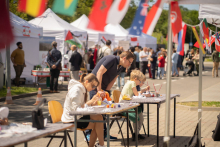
[
  {"x": 140, "y": 123},
  {"x": 160, "y": 69}
]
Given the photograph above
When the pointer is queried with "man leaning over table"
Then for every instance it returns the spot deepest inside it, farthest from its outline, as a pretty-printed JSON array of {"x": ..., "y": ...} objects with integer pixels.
[
  {"x": 17, "y": 58},
  {"x": 107, "y": 71},
  {"x": 54, "y": 59}
]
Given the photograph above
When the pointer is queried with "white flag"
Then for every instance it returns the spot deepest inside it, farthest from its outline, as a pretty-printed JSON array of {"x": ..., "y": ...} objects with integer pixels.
[{"x": 117, "y": 11}]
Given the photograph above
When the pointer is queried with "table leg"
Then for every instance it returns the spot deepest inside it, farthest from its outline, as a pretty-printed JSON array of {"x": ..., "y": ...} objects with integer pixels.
[
  {"x": 65, "y": 138},
  {"x": 75, "y": 132},
  {"x": 158, "y": 125},
  {"x": 174, "y": 119},
  {"x": 127, "y": 116},
  {"x": 25, "y": 144},
  {"x": 136, "y": 126},
  {"x": 148, "y": 121},
  {"x": 108, "y": 133}
]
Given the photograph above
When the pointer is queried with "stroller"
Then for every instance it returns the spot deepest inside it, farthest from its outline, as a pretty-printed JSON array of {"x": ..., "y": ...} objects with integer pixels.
[{"x": 189, "y": 68}]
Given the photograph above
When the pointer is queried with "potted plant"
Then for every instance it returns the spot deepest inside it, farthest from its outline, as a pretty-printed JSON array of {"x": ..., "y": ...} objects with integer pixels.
[{"x": 38, "y": 67}]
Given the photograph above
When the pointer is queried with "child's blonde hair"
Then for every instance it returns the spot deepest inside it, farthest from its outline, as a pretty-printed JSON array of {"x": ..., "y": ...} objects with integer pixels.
[{"x": 136, "y": 74}]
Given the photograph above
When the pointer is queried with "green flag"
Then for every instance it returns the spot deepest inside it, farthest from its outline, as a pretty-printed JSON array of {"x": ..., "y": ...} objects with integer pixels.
[
  {"x": 65, "y": 7},
  {"x": 73, "y": 40}
]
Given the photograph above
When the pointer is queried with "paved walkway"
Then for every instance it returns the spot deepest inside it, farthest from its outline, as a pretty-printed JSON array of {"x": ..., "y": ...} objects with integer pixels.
[{"x": 186, "y": 120}]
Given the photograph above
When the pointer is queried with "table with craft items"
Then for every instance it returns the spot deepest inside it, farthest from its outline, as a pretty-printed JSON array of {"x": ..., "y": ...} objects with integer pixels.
[
  {"x": 41, "y": 73},
  {"x": 158, "y": 101},
  {"x": 124, "y": 107},
  {"x": 29, "y": 136}
]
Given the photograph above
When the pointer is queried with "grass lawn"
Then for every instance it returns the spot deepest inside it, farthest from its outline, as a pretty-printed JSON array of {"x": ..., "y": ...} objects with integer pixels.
[
  {"x": 204, "y": 104},
  {"x": 208, "y": 60},
  {"x": 17, "y": 90}
]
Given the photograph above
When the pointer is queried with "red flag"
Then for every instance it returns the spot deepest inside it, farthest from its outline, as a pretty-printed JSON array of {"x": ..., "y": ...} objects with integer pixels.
[
  {"x": 98, "y": 15},
  {"x": 134, "y": 39},
  {"x": 176, "y": 18},
  {"x": 69, "y": 36},
  {"x": 6, "y": 35}
]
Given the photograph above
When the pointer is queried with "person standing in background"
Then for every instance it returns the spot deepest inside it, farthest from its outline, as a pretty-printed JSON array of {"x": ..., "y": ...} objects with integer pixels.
[
  {"x": 48, "y": 66},
  {"x": 54, "y": 60},
  {"x": 215, "y": 59},
  {"x": 137, "y": 57},
  {"x": 95, "y": 55},
  {"x": 76, "y": 61},
  {"x": 174, "y": 62},
  {"x": 153, "y": 59},
  {"x": 17, "y": 58},
  {"x": 161, "y": 64},
  {"x": 105, "y": 50},
  {"x": 90, "y": 59},
  {"x": 143, "y": 58}
]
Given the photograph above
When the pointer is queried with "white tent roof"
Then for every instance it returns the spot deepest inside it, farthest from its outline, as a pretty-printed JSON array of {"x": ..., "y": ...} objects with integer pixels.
[
  {"x": 21, "y": 27},
  {"x": 94, "y": 36},
  {"x": 211, "y": 13},
  {"x": 54, "y": 26},
  {"x": 123, "y": 34}
]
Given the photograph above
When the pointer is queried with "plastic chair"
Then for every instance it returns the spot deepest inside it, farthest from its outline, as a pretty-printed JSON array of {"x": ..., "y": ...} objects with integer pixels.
[{"x": 55, "y": 114}]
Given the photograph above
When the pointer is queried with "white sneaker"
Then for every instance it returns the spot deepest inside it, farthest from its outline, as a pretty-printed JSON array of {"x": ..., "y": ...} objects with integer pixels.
[
  {"x": 158, "y": 78},
  {"x": 97, "y": 145}
]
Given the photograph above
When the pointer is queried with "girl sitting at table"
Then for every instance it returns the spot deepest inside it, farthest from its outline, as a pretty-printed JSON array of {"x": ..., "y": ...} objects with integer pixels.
[
  {"x": 136, "y": 79},
  {"x": 77, "y": 97}
]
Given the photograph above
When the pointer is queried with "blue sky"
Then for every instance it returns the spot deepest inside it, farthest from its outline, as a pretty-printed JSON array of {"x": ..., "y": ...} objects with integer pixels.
[{"x": 190, "y": 7}]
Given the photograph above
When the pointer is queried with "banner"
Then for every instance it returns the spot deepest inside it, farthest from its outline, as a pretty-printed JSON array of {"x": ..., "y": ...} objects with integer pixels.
[{"x": 176, "y": 18}]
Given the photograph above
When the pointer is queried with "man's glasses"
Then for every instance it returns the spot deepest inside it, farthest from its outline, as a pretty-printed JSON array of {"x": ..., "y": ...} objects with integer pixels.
[{"x": 129, "y": 61}]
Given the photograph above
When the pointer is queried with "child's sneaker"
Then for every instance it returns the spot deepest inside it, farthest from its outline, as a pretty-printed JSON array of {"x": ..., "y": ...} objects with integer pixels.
[{"x": 97, "y": 145}]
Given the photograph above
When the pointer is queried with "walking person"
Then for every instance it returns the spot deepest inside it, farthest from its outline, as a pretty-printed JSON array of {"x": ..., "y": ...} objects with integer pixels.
[
  {"x": 143, "y": 56},
  {"x": 174, "y": 64},
  {"x": 215, "y": 59},
  {"x": 76, "y": 61},
  {"x": 54, "y": 60},
  {"x": 18, "y": 60}
]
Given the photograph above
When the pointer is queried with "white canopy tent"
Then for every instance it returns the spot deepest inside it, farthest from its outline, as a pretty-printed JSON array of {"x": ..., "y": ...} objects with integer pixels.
[
  {"x": 28, "y": 34},
  {"x": 94, "y": 36},
  {"x": 123, "y": 34},
  {"x": 211, "y": 13},
  {"x": 54, "y": 26}
]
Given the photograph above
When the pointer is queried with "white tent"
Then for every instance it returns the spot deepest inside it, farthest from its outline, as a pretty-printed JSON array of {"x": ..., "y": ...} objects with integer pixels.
[
  {"x": 28, "y": 34},
  {"x": 54, "y": 26},
  {"x": 123, "y": 34},
  {"x": 94, "y": 36},
  {"x": 211, "y": 13}
]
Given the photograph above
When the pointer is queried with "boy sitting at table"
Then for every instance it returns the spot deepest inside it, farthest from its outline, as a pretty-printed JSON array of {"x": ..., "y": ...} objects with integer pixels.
[{"x": 130, "y": 89}]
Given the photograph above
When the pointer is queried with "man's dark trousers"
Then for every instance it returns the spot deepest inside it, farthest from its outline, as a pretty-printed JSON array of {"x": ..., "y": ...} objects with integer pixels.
[
  {"x": 153, "y": 68},
  {"x": 18, "y": 72},
  {"x": 144, "y": 66},
  {"x": 54, "y": 74}
]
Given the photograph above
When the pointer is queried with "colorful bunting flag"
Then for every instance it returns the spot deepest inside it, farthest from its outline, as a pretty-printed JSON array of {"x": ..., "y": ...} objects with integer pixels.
[
  {"x": 73, "y": 40},
  {"x": 212, "y": 38},
  {"x": 98, "y": 15},
  {"x": 198, "y": 40},
  {"x": 152, "y": 17},
  {"x": 176, "y": 18},
  {"x": 138, "y": 21},
  {"x": 117, "y": 11},
  {"x": 32, "y": 7},
  {"x": 205, "y": 32},
  {"x": 6, "y": 34},
  {"x": 65, "y": 7},
  {"x": 182, "y": 36},
  {"x": 217, "y": 42}
]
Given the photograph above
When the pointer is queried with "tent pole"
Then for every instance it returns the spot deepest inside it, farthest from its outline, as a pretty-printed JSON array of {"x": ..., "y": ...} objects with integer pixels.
[
  {"x": 8, "y": 69},
  {"x": 200, "y": 90},
  {"x": 168, "y": 87}
]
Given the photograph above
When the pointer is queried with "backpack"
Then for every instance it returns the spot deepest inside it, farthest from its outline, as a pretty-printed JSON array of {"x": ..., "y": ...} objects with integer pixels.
[{"x": 102, "y": 54}]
